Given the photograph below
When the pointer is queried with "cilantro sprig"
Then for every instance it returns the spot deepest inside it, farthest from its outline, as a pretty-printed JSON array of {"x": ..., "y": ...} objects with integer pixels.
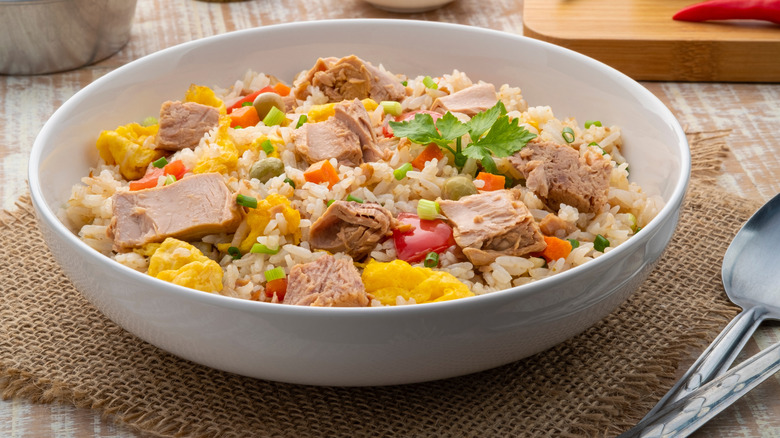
[{"x": 492, "y": 135}]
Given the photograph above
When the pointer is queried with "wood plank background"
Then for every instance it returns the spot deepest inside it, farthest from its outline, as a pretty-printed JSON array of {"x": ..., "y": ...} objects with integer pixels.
[{"x": 750, "y": 111}]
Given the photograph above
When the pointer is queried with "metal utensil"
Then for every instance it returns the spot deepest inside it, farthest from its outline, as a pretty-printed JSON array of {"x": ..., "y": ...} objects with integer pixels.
[
  {"x": 681, "y": 418},
  {"x": 45, "y": 36},
  {"x": 752, "y": 281}
]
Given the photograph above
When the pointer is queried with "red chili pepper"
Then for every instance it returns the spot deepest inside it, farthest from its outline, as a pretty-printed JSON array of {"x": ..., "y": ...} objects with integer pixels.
[{"x": 766, "y": 10}]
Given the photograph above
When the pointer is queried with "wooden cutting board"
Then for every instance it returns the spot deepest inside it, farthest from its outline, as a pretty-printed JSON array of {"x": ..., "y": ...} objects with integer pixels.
[{"x": 639, "y": 38}]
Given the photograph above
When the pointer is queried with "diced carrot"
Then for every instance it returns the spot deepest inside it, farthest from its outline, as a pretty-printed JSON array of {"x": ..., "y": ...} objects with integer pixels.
[
  {"x": 321, "y": 172},
  {"x": 281, "y": 89},
  {"x": 278, "y": 287},
  {"x": 175, "y": 168},
  {"x": 556, "y": 248},
  {"x": 249, "y": 98},
  {"x": 429, "y": 153},
  {"x": 492, "y": 182},
  {"x": 244, "y": 117}
]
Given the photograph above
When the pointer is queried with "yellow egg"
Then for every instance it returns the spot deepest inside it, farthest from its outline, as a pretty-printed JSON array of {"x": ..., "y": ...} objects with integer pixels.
[
  {"x": 386, "y": 281},
  {"x": 126, "y": 147},
  {"x": 180, "y": 263},
  {"x": 204, "y": 96},
  {"x": 227, "y": 160},
  {"x": 320, "y": 113},
  {"x": 258, "y": 219}
]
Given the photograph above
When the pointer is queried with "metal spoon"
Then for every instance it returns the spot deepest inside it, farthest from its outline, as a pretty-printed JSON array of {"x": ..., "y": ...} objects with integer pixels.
[
  {"x": 752, "y": 281},
  {"x": 683, "y": 417}
]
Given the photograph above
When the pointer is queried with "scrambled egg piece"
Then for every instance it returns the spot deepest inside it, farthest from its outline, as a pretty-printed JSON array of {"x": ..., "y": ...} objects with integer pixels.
[
  {"x": 267, "y": 208},
  {"x": 320, "y": 113},
  {"x": 180, "y": 263},
  {"x": 205, "y": 96},
  {"x": 227, "y": 160},
  {"x": 125, "y": 147},
  {"x": 386, "y": 281}
]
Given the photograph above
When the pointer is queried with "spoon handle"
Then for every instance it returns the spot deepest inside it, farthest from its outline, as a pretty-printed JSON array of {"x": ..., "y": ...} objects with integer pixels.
[
  {"x": 717, "y": 358},
  {"x": 681, "y": 418}
]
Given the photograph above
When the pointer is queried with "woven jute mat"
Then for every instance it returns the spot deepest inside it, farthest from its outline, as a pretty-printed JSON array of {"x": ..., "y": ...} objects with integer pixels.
[{"x": 54, "y": 346}]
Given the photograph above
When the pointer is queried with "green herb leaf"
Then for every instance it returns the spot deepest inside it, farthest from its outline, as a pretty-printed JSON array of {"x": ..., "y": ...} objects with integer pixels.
[
  {"x": 450, "y": 128},
  {"x": 482, "y": 155},
  {"x": 421, "y": 130},
  {"x": 505, "y": 137},
  {"x": 482, "y": 122}
]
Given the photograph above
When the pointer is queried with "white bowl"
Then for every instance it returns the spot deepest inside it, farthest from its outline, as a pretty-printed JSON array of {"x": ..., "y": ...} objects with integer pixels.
[{"x": 362, "y": 346}]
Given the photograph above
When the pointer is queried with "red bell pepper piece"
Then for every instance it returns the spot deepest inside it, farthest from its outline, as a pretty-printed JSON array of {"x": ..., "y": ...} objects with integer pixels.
[
  {"x": 423, "y": 237},
  {"x": 766, "y": 10},
  {"x": 250, "y": 98},
  {"x": 149, "y": 180}
]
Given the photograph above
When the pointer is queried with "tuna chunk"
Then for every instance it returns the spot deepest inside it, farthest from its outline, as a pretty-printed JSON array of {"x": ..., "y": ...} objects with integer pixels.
[
  {"x": 187, "y": 209},
  {"x": 349, "y": 78},
  {"x": 469, "y": 101},
  {"x": 354, "y": 115},
  {"x": 557, "y": 174},
  {"x": 552, "y": 225},
  {"x": 351, "y": 227},
  {"x": 182, "y": 125},
  {"x": 492, "y": 224},
  {"x": 326, "y": 282},
  {"x": 324, "y": 140}
]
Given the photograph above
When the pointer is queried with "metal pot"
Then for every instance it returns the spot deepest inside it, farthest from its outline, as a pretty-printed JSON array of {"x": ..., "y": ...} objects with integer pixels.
[{"x": 46, "y": 36}]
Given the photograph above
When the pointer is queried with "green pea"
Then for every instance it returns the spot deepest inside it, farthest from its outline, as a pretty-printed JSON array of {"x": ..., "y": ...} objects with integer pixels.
[
  {"x": 266, "y": 169},
  {"x": 459, "y": 186}
]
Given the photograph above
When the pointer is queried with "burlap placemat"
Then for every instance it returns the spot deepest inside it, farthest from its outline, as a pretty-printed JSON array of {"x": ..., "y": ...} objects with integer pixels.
[{"x": 54, "y": 346}]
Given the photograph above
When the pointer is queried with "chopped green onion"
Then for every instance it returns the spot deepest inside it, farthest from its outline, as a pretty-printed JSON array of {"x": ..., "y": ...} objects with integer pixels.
[
  {"x": 274, "y": 274},
  {"x": 429, "y": 83},
  {"x": 391, "y": 107},
  {"x": 160, "y": 163},
  {"x": 400, "y": 173},
  {"x": 234, "y": 252},
  {"x": 354, "y": 199},
  {"x": 330, "y": 202},
  {"x": 589, "y": 123},
  {"x": 247, "y": 104},
  {"x": 593, "y": 143},
  {"x": 428, "y": 210},
  {"x": 568, "y": 134},
  {"x": 301, "y": 120},
  {"x": 267, "y": 147},
  {"x": 238, "y": 127},
  {"x": 637, "y": 229},
  {"x": 274, "y": 117},
  {"x": 405, "y": 83},
  {"x": 246, "y": 201},
  {"x": 600, "y": 243},
  {"x": 634, "y": 224},
  {"x": 149, "y": 121},
  {"x": 259, "y": 248},
  {"x": 574, "y": 243},
  {"x": 290, "y": 182},
  {"x": 170, "y": 179},
  {"x": 431, "y": 260}
]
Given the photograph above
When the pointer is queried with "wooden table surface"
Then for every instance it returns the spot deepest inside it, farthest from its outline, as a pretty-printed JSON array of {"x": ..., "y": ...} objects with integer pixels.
[{"x": 750, "y": 111}]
